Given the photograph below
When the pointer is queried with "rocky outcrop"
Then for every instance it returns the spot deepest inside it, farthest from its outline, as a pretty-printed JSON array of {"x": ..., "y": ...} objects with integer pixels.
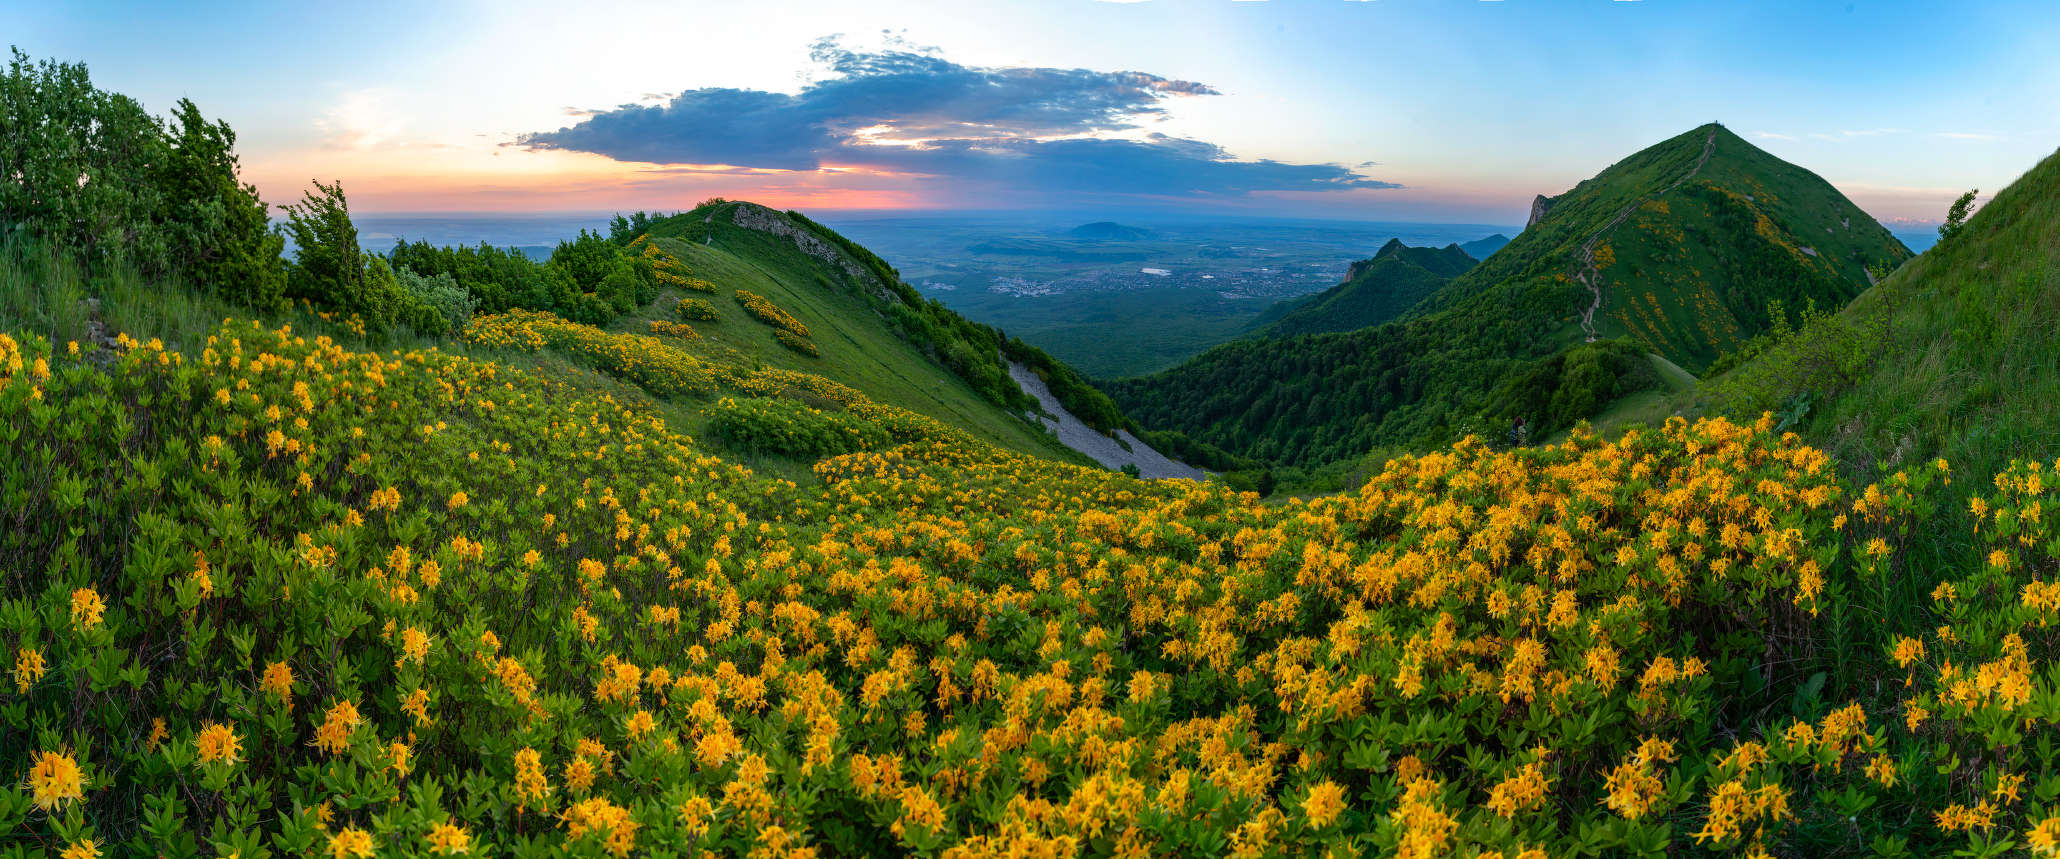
[
  {"x": 1538, "y": 208},
  {"x": 752, "y": 216}
]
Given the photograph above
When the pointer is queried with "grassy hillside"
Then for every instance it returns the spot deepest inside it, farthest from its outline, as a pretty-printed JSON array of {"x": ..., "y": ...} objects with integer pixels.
[
  {"x": 1953, "y": 356},
  {"x": 1374, "y": 291},
  {"x": 857, "y": 346},
  {"x": 1688, "y": 244},
  {"x": 807, "y": 256}
]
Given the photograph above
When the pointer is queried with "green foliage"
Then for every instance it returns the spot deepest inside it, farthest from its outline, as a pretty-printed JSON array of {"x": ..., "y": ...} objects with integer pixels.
[
  {"x": 1208, "y": 457},
  {"x": 623, "y": 230},
  {"x": 1742, "y": 218},
  {"x": 1374, "y": 291},
  {"x": 1951, "y": 356},
  {"x": 91, "y": 171},
  {"x": 329, "y": 270},
  {"x": 1956, "y": 217},
  {"x": 694, "y": 310},
  {"x": 1556, "y": 392},
  {"x": 1071, "y": 389},
  {"x": 789, "y": 428},
  {"x": 971, "y": 351},
  {"x": 797, "y": 342},
  {"x": 435, "y": 305},
  {"x": 498, "y": 279}
]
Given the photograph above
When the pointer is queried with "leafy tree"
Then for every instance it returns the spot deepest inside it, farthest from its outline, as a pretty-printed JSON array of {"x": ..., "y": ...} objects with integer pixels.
[
  {"x": 1956, "y": 217},
  {"x": 220, "y": 235},
  {"x": 329, "y": 270},
  {"x": 75, "y": 165},
  {"x": 91, "y": 172}
]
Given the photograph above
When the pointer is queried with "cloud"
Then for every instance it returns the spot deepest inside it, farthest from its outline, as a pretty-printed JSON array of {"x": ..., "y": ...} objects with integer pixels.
[
  {"x": 1977, "y": 136},
  {"x": 1770, "y": 135},
  {"x": 910, "y": 110},
  {"x": 361, "y": 119}
]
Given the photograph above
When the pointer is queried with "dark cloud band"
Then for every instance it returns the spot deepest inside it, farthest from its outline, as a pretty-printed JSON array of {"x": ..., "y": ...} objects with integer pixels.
[{"x": 915, "y": 112}]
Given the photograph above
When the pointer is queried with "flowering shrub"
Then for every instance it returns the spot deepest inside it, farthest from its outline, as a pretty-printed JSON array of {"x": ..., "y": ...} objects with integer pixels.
[
  {"x": 790, "y": 428},
  {"x": 770, "y": 314},
  {"x": 694, "y": 309},
  {"x": 663, "y": 328},
  {"x": 300, "y": 599},
  {"x": 796, "y": 342}
]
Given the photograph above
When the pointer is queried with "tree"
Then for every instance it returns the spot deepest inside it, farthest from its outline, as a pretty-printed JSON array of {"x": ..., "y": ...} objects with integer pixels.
[
  {"x": 75, "y": 164},
  {"x": 219, "y": 235},
  {"x": 1956, "y": 217},
  {"x": 329, "y": 270}
]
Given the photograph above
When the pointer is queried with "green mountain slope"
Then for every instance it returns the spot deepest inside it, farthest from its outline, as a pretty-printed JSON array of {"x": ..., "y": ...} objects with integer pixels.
[
  {"x": 1678, "y": 250},
  {"x": 1952, "y": 356},
  {"x": 1374, "y": 291},
  {"x": 875, "y": 334}
]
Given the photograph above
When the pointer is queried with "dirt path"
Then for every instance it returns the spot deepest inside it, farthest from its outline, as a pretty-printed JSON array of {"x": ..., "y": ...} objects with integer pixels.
[
  {"x": 1077, "y": 435},
  {"x": 1589, "y": 274}
]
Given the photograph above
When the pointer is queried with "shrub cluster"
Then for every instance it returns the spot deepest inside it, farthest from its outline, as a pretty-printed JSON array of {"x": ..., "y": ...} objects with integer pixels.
[
  {"x": 770, "y": 314},
  {"x": 786, "y": 329},
  {"x": 674, "y": 329},
  {"x": 788, "y": 428},
  {"x": 694, "y": 309}
]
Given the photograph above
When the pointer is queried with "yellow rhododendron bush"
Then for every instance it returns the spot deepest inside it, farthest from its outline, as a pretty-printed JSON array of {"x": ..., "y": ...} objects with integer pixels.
[{"x": 282, "y": 597}]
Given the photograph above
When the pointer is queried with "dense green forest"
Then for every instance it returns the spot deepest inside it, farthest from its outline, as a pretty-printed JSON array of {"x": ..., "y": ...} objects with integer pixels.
[
  {"x": 1694, "y": 245},
  {"x": 1374, "y": 291}
]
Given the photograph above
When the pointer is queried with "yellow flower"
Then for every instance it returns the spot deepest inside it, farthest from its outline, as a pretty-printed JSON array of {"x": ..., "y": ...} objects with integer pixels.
[
  {"x": 458, "y": 500},
  {"x": 334, "y": 734},
  {"x": 86, "y": 608},
  {"x": 217, "y": 742},
  {"x": 28, "y": 668},
  {"x": 414, "y": 646},
  {"x": 278, "y": 682},
  {"x": 530, "y": 783},
  {"x": 82, "y": 849},
  {"x": 351, "y": 842},
  {"x": 55, "y": 780},
  {"x": 1325, "y": 802},
  {"x": 2044, "y": 839},
  {"x": 1520, "y": 792},
  {"x": 399, "y": 753},
  {"x": 450, "y": 840}
]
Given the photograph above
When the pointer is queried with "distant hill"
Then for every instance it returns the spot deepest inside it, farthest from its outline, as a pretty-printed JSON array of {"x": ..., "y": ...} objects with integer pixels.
[
  {"x": 1109, "y": 231},
  {"x": 1479, "y": 249},
  {"x": 1374, "y": 291},
  {"x": 1684, "y": 249}
]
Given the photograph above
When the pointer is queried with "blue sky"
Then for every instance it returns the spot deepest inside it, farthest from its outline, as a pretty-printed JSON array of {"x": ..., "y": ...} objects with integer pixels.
[{"x": 1393, "y": 109}]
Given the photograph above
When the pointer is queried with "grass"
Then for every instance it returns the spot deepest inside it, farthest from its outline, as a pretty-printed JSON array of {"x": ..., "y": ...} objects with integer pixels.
[{"x": 858, "y": 348}]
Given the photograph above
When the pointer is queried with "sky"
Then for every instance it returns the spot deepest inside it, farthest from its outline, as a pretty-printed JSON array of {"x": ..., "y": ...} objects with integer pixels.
[{"x": 1412, "y": 110}]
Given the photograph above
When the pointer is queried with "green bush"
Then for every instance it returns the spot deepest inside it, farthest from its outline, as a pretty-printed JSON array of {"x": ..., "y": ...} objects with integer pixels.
[
  {"x": 694, "y": 310},
  {"x": 434, "y": 305},
  {"x": 785, "y": 427}
]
